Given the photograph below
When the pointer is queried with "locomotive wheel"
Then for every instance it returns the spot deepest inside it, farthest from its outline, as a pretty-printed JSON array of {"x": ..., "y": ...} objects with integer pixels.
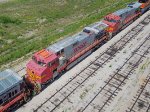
[
  {"x": 27, "y": 99},
  {"x": 47, "y": 82}
]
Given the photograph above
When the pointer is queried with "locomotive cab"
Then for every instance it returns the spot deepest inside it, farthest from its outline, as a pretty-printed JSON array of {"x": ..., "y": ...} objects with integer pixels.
[
  {"x": 113, "y": 21},
  {"x": 42, "y": 67}
]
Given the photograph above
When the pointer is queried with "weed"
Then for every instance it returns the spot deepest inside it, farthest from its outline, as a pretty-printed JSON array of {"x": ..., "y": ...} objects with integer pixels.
[{"x": 7, "y": 20}]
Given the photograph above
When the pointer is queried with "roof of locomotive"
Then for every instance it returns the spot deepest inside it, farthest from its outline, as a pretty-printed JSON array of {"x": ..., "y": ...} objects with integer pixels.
[
  {"x": 45, "y": 56},
  {"x": 129, "y": 7},
  {"x": 8, "y": 79},
  {"x": 134, "y": 5},
  {"x": 143, "y": 1},
  {"x": 122, "y": 11},
  {"x": 58, "y": 46},
  {"x": 97, "y": 27}
]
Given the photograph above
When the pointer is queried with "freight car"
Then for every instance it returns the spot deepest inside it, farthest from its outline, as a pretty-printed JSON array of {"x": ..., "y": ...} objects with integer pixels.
[
  {"x": 122, "y": 18},
  {"x": 52, "y": 61},
  {"x": 13, "y": 90}
]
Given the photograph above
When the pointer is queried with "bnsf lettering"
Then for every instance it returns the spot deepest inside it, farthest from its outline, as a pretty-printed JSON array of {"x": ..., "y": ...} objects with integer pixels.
[{"x": 78, "y": 48}]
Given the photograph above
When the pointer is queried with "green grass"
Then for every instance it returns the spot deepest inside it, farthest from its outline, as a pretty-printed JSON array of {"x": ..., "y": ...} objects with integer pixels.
[{"x": 29, "y": 25}]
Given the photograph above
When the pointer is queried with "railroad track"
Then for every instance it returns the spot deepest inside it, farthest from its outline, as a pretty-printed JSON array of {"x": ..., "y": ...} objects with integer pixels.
[
  {"x": 113, "y": 84},
  {"x": 118, "y": 79},
  {"x": 20, "y": 70},
  {"x": 141, "y": 102}
]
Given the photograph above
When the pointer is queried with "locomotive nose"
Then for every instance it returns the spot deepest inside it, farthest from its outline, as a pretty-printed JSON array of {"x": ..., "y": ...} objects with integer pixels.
[{"x": 31, "y": 74}]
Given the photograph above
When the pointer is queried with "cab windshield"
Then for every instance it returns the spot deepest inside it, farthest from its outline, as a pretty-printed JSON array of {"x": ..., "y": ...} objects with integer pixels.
[
  {"x": 38, "y": 62},
  {"x": 41, "y": 63}
]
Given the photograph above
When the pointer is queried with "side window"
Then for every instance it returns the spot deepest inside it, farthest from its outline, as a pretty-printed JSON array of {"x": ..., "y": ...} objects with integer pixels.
[
  {"x": 13, "y": 94},
  {"x": 10, "y": 95},
  {"x": 52, "y": 63},
  {"x": 15, "y": 91},
  {"x": 5, "y": 96},
  {"x": 1, "y": 101}
]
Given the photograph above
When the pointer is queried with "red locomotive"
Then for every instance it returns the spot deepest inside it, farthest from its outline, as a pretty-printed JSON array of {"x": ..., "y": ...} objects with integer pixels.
[
  {"x": 61, "y": 56},
  {"x": 122, "y": 18},
  {"x": 52, "y": 61}
]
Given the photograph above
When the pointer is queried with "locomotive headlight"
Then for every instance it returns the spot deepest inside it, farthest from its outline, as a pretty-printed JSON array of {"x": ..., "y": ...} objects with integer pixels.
[
  {"x": 111, "y": 29},
  {"x": 143, "y": 6}
]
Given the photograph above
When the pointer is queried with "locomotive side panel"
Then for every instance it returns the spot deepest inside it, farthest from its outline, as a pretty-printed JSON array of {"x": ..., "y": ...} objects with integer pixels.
[
  {"x": 10, "y": 94},
  {"x": 83, "y": 40},
  {"x": 127, "y": 13}
]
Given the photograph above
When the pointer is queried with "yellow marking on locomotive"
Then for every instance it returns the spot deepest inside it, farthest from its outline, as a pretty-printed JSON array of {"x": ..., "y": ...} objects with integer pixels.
[
  {"x": 35, "y": 77},
  {"x": 110, "y": 29},
  {"x": 31, "y": 75}
]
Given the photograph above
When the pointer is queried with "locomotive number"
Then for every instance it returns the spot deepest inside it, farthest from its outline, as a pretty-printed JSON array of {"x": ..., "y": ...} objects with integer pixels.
[{"x": 80, "y": 47}]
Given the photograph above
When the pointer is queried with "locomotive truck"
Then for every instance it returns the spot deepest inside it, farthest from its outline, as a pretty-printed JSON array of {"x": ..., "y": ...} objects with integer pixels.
[{"x": 52, "y": 61}]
